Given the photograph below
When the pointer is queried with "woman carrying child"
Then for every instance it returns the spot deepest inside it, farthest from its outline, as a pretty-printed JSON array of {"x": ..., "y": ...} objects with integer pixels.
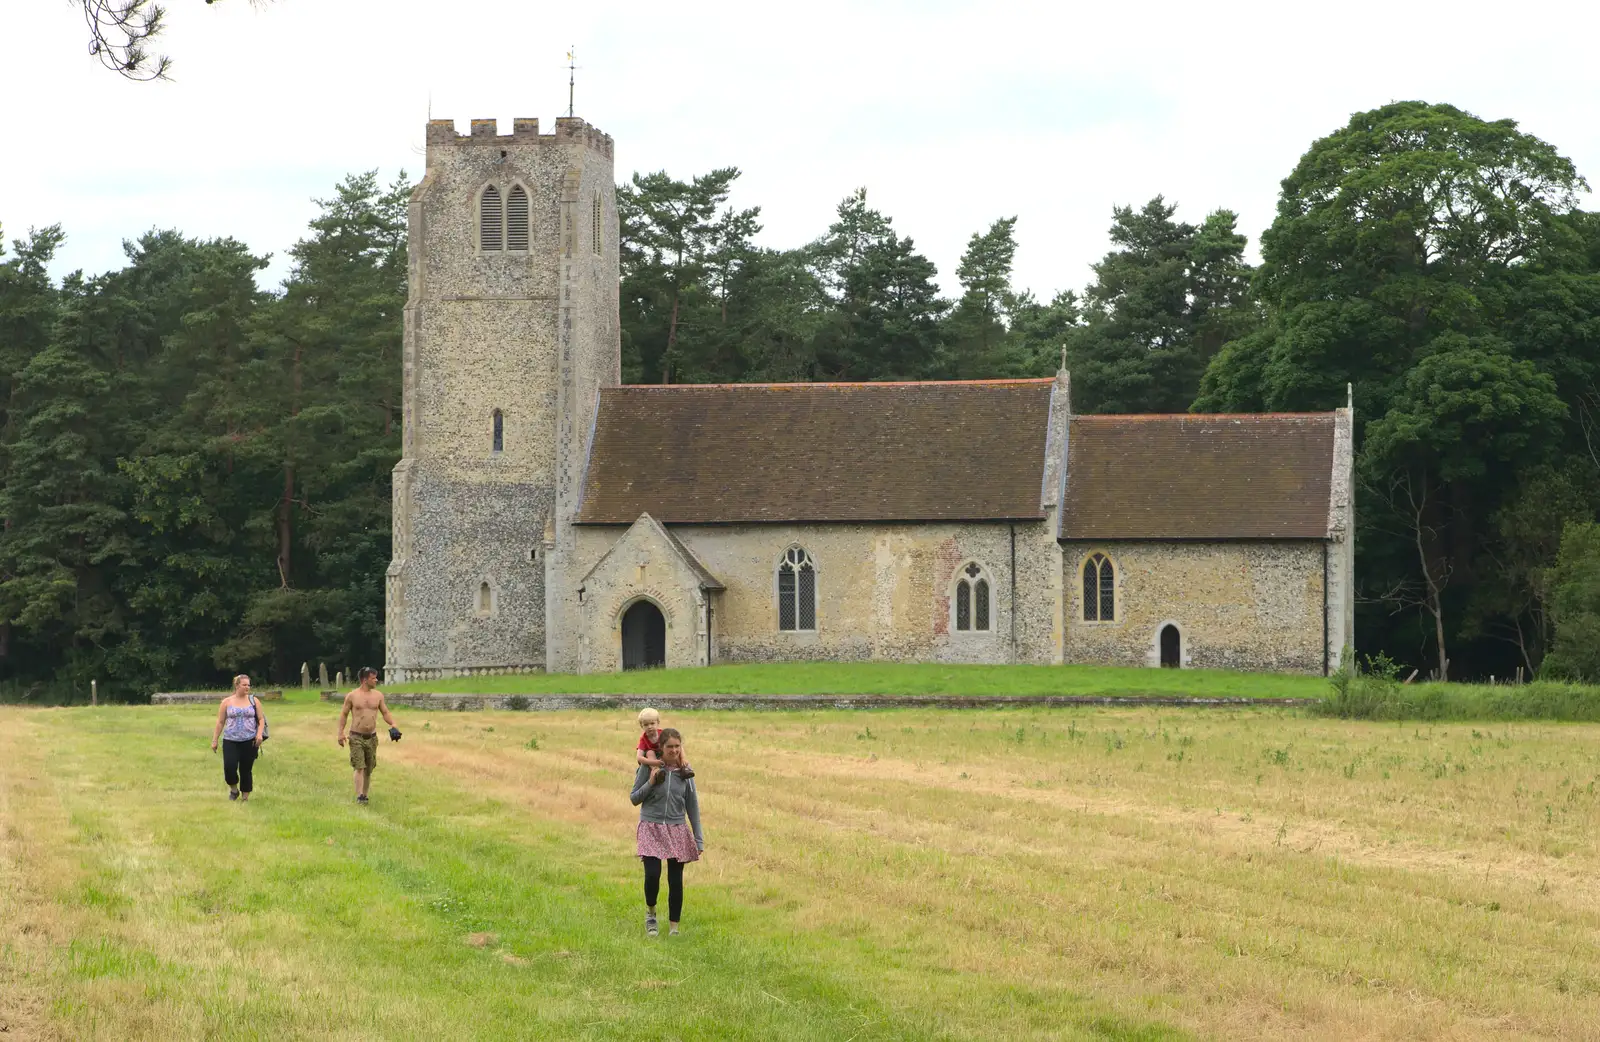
[{"x": 669, "y": 828}]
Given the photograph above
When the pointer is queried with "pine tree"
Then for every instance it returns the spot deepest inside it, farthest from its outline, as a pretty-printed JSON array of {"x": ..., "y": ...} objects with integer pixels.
[
  {"x": 976, "y": 329},
  {"x": 682, "y": 248},
  {"x": 29, "y": 307},
  {"x": 887, "y": 308},
  {"x": 59, "y": 502},
  {"x": 325, "y": 393},
  {"x": 1161, "y": 305}
]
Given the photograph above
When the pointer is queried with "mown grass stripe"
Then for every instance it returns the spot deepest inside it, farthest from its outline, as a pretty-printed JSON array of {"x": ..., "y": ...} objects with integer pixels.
[{"x": 302, "y": 916}]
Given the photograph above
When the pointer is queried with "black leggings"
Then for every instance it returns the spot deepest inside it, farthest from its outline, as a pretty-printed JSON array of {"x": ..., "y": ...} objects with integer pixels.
[
  {"x": 238, "y": 758},
  {"x": 652, "y": 885}
]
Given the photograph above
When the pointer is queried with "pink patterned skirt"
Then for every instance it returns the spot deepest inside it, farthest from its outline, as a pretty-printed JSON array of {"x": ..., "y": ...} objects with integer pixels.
[{"x": 667, "y": 841}]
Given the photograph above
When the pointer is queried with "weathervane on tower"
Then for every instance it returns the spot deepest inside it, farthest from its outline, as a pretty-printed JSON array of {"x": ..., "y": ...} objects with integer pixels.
[{"x": 572, "y": 79}]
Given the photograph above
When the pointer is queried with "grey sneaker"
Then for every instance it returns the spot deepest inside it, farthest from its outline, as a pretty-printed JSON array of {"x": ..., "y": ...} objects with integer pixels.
[
  {"x": 233, "y": 794},
  {"x": 674, "y": 931},
  {"x": 650, "y": 927}
]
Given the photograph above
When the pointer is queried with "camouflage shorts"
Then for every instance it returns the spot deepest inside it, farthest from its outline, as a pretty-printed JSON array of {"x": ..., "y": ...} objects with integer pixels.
[{"x": 363, "y": 751}]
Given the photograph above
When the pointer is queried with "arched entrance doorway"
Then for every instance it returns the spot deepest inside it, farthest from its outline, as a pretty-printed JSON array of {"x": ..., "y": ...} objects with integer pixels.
[
  {"x": 644, "y": 637},
  {"x": 1171, "y": 647}
]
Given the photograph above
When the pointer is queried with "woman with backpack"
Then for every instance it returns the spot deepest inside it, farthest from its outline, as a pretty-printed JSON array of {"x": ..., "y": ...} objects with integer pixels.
[{"x": 241, "y": 726}]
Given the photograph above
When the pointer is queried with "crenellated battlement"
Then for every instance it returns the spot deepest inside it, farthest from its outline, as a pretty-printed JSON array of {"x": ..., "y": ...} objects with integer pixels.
[{"x": 569, "y": 130}]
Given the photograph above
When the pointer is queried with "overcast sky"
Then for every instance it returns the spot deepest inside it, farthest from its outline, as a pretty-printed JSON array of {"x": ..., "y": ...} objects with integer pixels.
[{"x": 951, "y": 114}]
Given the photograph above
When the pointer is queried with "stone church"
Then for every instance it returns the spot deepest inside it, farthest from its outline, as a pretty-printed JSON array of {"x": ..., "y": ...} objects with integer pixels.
[{"x": 547, "y": 517}]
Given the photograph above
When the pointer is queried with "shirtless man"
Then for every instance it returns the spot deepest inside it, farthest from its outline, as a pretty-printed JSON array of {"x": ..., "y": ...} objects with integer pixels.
[{"x": 365, "y": 702}]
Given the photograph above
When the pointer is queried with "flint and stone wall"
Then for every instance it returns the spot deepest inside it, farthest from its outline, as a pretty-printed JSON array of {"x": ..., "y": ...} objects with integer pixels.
[
  {"x": 883, "y": 592},
  {"x": 1248, "y": 606},
  {"x": 640, "y": 563},
  {"x": 485, "y": 331},
  {"x": 1342, "y": 541}
]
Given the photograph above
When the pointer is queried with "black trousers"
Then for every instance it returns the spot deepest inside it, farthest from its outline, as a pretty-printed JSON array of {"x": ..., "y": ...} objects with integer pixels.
[
  {"x": 652, "y": 886},
  {"x": 238, "y": 758}
]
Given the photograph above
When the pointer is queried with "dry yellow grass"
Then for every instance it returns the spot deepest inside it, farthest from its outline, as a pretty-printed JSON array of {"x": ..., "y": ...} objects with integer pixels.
[
  {"x": 1228, "y": 874},
  {"x": 1242, "y": 875}
]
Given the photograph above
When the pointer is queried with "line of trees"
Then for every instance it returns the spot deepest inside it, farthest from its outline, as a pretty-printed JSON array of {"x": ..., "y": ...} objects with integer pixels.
[
  {"x": 701, "y": 302},
  {"x": 194, "y": 474}
]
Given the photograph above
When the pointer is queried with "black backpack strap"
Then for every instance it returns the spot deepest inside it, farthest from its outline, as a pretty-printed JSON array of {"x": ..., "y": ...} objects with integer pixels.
[{"x": 256, "y": 709}]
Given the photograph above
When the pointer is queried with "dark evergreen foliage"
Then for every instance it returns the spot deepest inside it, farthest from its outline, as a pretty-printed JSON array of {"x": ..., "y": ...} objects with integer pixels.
[
  {"x": 196, "y": 474},
  {"x": 1162, "y": 304}
]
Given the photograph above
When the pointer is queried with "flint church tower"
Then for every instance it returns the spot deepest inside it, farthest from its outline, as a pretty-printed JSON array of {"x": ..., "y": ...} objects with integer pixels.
[{"x": 511, "y": 330}]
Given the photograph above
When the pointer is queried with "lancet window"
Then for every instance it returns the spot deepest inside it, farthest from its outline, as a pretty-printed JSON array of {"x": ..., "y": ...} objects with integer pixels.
[
  {"x": 797, "y": 591},
  {"x": 491, "y": 221},
  {"x": 1099, "y": 589},
  {"x": 973, "y": 600}
]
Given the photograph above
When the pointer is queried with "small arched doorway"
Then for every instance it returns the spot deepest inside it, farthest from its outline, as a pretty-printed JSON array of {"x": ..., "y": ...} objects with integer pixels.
[
  {"x": 1171, "y": 648},
  {"x": 644, "y": 637}
]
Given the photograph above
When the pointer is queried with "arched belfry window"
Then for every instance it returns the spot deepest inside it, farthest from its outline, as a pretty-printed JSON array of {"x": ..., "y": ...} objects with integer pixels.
[
  {"x": 517, "y": 219},
  {"x": 973, "y": 600},
  {"x": 797, "y": 591},
  {"x": 499, "y": 431},
  {"x": 598, "y": 231},
  {"x": 1099, "y": 590},
  {"x": 491, "y": 221}
]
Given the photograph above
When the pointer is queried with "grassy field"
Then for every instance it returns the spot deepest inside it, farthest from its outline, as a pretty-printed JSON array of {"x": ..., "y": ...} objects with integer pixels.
[
  {"x": 1088, "y": 873},
  {"x": 1367, "y": 699},
  {"x": 1391, "y": 701},
  {"x": 1540, "y": 700},
  {"x": 893, "y": 678}
]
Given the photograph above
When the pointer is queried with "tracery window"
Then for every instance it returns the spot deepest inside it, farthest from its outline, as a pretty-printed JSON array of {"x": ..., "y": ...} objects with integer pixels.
[
  {"x": 973, "y": 604},
  {"x": 491, "y": 221},
  {"x": 797, "y": 591},
  {"x": 517, "y": 219},
  {"x": 1099, "y": 590}
]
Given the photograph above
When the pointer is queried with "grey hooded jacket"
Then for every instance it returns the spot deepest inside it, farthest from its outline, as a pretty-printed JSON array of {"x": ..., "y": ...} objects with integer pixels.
[{"x": 669, "y": 801}]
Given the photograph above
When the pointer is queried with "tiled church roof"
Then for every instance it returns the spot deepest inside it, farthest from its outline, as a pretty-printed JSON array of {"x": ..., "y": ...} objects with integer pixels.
[
  {"x": 1199, "y": 477},
  {"x": 966, "y": 450}
]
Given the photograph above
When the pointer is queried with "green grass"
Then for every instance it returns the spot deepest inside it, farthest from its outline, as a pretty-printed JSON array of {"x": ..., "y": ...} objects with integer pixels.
[
  {"x": 1369, "y": 699},
  {"x": 1501, "y": 702},
  {"x": 886, "y": 678},
  {"x": 439, "y": 912},
  {"x": 1087, "y": 873}
]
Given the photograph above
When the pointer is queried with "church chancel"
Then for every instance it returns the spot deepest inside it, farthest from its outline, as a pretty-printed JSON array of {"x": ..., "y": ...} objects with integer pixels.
[{"x": 546, "y": 517}]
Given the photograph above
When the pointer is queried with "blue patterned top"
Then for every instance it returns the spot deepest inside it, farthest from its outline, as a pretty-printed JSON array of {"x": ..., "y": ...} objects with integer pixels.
[{"x": 241, "y": 725}]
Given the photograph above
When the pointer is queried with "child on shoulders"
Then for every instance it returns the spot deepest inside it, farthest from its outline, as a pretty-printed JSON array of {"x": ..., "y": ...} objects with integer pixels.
[{"x": 649, "y": 750}]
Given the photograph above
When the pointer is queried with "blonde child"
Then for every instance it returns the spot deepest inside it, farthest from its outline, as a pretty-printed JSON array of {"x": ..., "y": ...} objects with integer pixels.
[{"x": 649, "y": 749}]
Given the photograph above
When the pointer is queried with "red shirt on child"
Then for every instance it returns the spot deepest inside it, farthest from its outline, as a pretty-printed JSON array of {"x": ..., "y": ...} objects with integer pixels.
[{"x": 647, "y": 746}]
